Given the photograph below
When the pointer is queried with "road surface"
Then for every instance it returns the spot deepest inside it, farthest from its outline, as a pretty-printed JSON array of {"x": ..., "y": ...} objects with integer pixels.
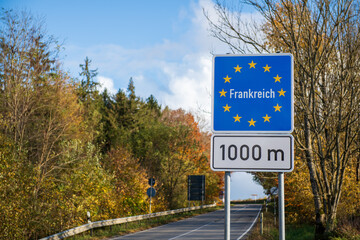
[{"x": 207, "y": 226}]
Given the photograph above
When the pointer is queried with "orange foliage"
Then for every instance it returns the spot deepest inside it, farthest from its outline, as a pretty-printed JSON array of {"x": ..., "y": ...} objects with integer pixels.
[
  {"x": 196, "y": 150},
  {"x": 298, "y": 194},
  {"x": 130, "y": 182}
]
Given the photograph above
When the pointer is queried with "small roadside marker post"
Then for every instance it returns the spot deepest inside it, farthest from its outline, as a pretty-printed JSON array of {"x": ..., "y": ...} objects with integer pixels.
[{"x": 261, "y": 223}]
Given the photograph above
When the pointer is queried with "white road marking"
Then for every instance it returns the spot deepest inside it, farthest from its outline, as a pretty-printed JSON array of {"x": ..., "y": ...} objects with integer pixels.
[
  {"x": 251, "y": 225},
  {"x": 184, "y": 234},
  {"x": 190, "y": 231}
]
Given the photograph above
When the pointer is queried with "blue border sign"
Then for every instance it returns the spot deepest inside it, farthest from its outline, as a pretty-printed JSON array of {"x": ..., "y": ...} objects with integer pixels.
[{"x": 253, "y": 94}]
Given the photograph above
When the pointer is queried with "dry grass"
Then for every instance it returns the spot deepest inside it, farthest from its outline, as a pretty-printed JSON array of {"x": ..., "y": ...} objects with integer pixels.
[
  {"x": 269, "y": 228},
  {"x": 348, "y": 228}
]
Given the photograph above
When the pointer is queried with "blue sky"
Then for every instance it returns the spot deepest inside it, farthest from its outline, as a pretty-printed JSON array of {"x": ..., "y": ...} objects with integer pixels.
[{"x": 165, "y": 46}]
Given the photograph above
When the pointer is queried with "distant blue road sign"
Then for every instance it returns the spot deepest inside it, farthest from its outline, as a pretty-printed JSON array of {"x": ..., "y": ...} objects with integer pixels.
[
  {"x": 253, "y": 94},
  {"x": 151, "y": 192},
  {"x": 151, "y": 181}
]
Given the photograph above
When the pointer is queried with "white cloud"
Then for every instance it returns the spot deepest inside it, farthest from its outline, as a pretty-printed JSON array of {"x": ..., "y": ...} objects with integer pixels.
[
  {"x": 189, "y": 83},
  {"x": 177, "y": 72},
  {"x": 106, "y": 83},
  {"x": 189, "y": 79}
]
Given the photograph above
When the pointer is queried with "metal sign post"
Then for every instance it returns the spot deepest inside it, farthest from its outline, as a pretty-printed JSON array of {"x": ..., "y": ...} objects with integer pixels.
[
  {"x": 150, "y": 205},
  {"x": 227, "y": 206},
  {"x": 281, "y": 207}
]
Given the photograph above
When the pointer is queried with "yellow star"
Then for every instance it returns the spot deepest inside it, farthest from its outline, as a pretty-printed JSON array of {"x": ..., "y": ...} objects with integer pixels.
[
  {"x": 237, "y": 118},
  {"x": 267, "y": 68},
  {"x": 222, "y": 93},
  {"x": 277, "y": 78},
  {"x": 277, "y": 108},
  {"x": 227, "y": 108},
  {"x": 282, "y": 93},
  {"x": 266, "y": 118},
  {"x": 252, "y": 123},
  {"x": 237, "y": 68},
  {"x": 252, "y": 64},
  {"x": 227, "y": 79}
]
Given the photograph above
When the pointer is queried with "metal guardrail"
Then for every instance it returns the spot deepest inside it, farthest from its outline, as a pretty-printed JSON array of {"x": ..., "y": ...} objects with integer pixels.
[{"x": 110, "y": 222}]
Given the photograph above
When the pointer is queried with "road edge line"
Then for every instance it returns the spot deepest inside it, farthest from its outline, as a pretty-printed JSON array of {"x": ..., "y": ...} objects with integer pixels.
[{"x": 251, "y": 225}]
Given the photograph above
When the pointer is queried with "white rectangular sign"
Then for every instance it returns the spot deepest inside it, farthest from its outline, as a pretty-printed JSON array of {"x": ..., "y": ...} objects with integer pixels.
[{"x": 252, "y": 153}]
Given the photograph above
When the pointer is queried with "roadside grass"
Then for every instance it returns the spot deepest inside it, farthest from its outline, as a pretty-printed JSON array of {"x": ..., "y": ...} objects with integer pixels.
[
  {"x": 131, "y": 227},
  {"x": 271, "y": 229},
  {"x": 348, "y": 229}
]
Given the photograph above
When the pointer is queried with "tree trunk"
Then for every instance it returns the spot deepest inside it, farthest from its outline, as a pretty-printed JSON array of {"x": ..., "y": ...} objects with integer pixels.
[
  {"x": 331, "y": 220},
  {"x": 319, "y": 214}
]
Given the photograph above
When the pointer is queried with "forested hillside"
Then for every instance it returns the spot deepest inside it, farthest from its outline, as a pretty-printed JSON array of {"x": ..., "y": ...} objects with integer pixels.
[{"x": 66, "y": 148}]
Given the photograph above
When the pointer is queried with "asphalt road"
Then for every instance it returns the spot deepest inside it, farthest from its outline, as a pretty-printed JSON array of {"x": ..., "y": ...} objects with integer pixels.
[{"x": 207, "y": 226}]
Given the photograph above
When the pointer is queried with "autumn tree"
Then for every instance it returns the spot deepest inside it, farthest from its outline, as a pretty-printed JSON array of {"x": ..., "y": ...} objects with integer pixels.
[
  {"x": 27, "y": 57},
  {"x": 159, "y": 147},
  {"x": 45, "y": 155},
  {"x": 91, "y": 102},
  {"x": 323, "y": 36},
  {"x": 171, "y": 148},
  {"x": 185, "y": 154},
  {"x": 130, "y": 182}
]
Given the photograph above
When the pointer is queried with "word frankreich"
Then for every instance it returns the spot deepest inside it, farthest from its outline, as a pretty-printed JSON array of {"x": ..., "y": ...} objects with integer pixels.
[{"x": 252, "y": 94}]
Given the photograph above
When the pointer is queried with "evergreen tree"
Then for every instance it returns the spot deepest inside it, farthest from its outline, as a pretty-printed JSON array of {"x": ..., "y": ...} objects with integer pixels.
[
  {"x": 88, "y": 85},
  {"x": 153, "y": 105}
]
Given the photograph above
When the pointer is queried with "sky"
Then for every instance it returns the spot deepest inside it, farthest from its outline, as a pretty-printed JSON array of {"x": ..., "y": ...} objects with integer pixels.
[{"x": 164, "y": 46}]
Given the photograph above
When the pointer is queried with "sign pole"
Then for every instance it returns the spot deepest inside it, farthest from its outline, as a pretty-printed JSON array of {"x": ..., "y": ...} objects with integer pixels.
[
  {"x": 227, "y": 206},
  {"x": 281, "y": 206},
  {"x": 151, "y": 184},
  {"x": 150, "y": 205}
]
